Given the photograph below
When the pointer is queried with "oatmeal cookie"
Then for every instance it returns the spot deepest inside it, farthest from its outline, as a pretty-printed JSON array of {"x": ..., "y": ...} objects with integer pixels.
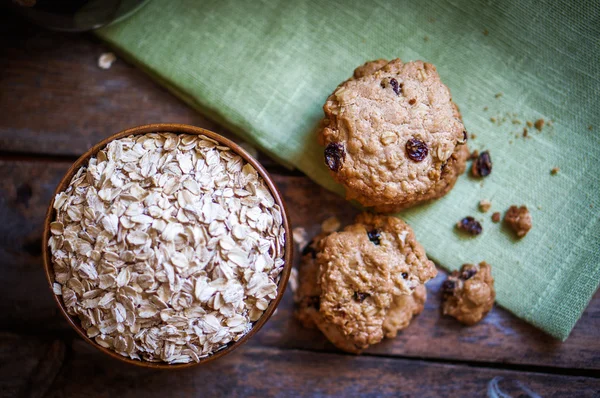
[
  {"x": 362, "y": 268},
  {"x": 308, "y": 301},
  {"x": 392, "y": 135},
  {"x": 469, "y": 295}
]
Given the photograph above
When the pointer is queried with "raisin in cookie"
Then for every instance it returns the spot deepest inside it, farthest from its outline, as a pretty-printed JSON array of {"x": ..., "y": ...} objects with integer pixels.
[
  {"x": 373, "y": 302},
  {"x": 469, "y": 295},
  {"x": 392, "y": 135}
]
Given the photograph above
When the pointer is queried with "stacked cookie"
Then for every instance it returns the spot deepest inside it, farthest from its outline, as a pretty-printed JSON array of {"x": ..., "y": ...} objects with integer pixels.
[
  {"x": 394, "y": 139},
  {"x": 392, "y": 135},
  {"x": 364, "y": 283}
]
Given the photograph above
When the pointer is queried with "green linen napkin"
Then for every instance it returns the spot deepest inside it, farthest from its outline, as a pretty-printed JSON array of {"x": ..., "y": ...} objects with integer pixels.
[{"x": 264, "y": 69}]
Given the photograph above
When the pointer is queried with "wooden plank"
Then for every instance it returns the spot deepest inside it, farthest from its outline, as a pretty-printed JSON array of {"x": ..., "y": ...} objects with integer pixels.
[
  {"x": 499, "y": 338},
  {"x": 54, "y": 99},
  {"x": 270, "y": 372},
  {"x": 28, "y": 365},
  {"x": 26, "y": 303},
  {"x": 25, "y": 191}
]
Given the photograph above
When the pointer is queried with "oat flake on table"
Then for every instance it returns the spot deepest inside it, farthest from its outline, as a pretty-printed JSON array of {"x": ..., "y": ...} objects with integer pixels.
[
  {"x": 167, "y": 247},
  {"x": 106, "y": 60}
]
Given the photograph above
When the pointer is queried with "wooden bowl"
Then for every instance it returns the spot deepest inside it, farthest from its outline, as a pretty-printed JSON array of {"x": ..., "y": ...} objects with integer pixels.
[{"x": 177, "y": 129}]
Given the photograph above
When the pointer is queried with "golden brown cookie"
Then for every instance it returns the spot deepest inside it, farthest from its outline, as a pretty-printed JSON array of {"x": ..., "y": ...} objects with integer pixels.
[
  {"x": 392, "y": 135},
  {"x": 357, "y": 274},
  {"x": 308, "y": 298},
  {"x": 469, "y": 295}
]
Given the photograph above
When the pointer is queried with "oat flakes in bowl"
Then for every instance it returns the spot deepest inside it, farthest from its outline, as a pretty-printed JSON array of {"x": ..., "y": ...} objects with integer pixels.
[{"x": 167, "y": 246}]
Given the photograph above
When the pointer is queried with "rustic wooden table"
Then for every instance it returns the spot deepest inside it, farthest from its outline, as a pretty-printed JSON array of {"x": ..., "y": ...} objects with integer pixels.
[{"x": 54, "y": 104}]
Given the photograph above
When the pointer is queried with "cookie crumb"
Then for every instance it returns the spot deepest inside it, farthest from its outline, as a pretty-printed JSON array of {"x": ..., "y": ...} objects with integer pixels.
[
  {"x": 106, "y": 60},
  {"x": 473, "y": 136},
  {"x": 516, "y": 121},
  {"x": 482, "y": 166},
  {"x": 486, "y": 32},
  {"x": 485, "y": 108},
  {"x": 539, "y": 124},
  {"x": 331, "y": 224},
  {"x": 426, "y": 38},
  {"x": 519, "y": 220},
  {"x": 484, "y": 205},
  {"x": 529, "y": 124},
  {"x": 554, "y": 171},
  {"x": 496, "y": 217},
  {"x": 498, "y": 95},
  {"x": 525, "y": 132},
  {"x": 493, "y": 119},
  {"x": 590, "y": 127},
  {"x": 470, "y": 225}
]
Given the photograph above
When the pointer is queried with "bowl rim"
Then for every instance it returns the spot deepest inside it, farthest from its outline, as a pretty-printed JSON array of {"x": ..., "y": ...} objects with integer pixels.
[{"x": 74, "y": 321}]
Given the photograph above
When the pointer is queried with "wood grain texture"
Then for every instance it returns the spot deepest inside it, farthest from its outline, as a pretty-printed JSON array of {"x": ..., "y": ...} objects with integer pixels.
[
  {"x": 54, "y": 99},
  {"x": 265, "y": 372},
  {"x": 25, "y": 190},
  {"x": 500, "y": 338},
  {"x": 26, "y": 303},
  {"x": 23, "y": 360}
]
